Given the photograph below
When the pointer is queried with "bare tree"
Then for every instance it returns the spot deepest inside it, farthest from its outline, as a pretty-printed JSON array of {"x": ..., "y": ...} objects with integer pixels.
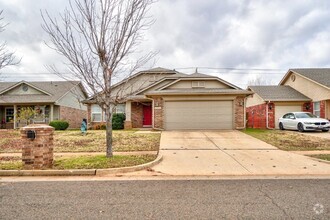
[
  {"x": 260, "y": 81},
  {"x": 6, "y": 58},
  {"x": 97, "y": 38}
]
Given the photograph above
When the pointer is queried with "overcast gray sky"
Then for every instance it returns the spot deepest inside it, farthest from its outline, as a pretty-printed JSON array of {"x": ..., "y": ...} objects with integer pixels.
[{"x": 255, "y": 34}]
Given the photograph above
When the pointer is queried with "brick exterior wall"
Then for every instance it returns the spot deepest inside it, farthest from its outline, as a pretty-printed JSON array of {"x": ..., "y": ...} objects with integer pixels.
[
  {"x": 256, "y": 116},
  {"x": 73, "y": 116},
  {"x": 38, "y": 153},
  {"x": 322, "y": 109},
  {"x": 239, "y": 113},
  {"x": 309, "y": 105},
  {"x": 271, "y": 115},
  {"x": 137, "y": 115},
  {"x": 159, "y": 113}
]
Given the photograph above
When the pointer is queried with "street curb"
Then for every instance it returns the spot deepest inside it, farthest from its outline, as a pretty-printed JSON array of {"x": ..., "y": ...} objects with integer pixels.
[
  {"x": 102, "y": 172},
  {"x": 85, "y": 172},
  {"x": 82, "y": 172}
]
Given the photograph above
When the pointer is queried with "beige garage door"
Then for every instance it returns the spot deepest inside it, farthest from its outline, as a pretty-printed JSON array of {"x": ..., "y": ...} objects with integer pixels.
[
  {"x": 282, "y": 110},
  {"x": 181, "y": 115}
]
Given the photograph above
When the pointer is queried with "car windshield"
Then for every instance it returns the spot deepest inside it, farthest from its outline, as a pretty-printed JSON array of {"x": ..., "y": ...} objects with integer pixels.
[{"x": 305, "y": 115}]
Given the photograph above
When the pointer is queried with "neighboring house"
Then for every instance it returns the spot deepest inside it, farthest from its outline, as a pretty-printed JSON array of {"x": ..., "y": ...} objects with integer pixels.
[
  {"x": 269, "y": 103},
  {"x": 299, "y": 90},
  {"x": 59, "y": 100},
  {"x": 313, "y": 83},
  {"x": 166, "y": 99}
]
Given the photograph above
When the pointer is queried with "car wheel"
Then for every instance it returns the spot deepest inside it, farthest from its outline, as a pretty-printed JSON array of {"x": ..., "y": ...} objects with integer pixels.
[
  {"x": 325, "y": 130},
  {"x": 281, "y": 126},
  {"x": 300, "y": 127}
]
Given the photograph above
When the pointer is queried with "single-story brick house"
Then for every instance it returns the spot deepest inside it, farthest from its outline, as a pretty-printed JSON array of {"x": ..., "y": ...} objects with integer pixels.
[
  {"x": 269, "y": 103},
  {"x": 169, "y": 100},
  {"x": 299, "y": 90},
  {"x": 60, "y": 100}
]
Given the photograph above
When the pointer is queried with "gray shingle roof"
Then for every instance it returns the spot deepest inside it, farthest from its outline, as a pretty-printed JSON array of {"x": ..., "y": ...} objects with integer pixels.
[
  {"x": 55, "y": 89},
  {"x": 319, "y": 75},
  {"x": 278, "y": 93},
  {"x": 158, "y": 70},
  {"x": 198, "y": 91},
  {"x": 200, "y": 75}
]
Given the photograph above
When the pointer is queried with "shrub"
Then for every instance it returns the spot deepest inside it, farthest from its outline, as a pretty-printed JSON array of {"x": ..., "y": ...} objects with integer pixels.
[
  {"x": 59, "y": 125},
  {"x": 118, "y": 121}
]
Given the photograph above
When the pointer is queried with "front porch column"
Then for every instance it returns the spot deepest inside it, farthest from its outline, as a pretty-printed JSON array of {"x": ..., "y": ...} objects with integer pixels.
[
  {"x": 51, "y": 116},
  {"x": 128, "y": 111},
  {"x": 15, "y": 113}
]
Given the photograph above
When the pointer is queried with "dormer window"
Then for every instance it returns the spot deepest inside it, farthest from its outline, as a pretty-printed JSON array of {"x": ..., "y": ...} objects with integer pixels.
[{"x": 198, "y": 84}]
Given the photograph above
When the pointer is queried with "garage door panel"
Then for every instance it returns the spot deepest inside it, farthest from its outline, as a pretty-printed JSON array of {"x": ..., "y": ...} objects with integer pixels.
[
  {"x": 282, "y": 110},
  {"x": 198, "y": 115}
]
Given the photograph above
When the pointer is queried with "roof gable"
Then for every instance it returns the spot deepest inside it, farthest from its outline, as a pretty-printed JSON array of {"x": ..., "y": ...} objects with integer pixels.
[
  {"x": 210, "y": 82},
  {"x": 320, "y": 76},
  {"x": 40, "y": 92},
  {"x": 278, "y": 93},
  {"x": 154, "y": 71},
  {"x": 23, "y": 88}
]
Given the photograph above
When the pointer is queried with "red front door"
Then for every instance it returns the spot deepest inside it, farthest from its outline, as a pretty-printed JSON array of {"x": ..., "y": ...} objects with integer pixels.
[{"x": 147, "y": 113}]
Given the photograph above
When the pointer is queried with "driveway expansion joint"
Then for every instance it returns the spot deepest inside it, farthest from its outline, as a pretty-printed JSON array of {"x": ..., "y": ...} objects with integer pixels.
[{"x": 209, "y": 139}]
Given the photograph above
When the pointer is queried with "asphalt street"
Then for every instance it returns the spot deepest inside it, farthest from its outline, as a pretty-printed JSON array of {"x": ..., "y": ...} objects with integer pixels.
[{"x": 166, "y": 199}]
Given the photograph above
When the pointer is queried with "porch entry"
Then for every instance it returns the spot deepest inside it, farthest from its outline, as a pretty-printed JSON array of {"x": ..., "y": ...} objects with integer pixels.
[{"x": 147, "y": 115}]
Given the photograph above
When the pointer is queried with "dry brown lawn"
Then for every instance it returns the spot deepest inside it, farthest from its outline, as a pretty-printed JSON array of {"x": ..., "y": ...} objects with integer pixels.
[{"x": 290, "y": 140}]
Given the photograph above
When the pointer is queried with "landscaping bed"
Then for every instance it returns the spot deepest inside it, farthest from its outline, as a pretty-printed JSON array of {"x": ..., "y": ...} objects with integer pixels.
[{"x": 289, "y": 140}]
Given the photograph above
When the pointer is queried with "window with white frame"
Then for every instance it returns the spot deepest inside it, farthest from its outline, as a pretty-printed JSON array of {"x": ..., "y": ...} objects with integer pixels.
[
  {"x": 198, "y": 84},
  {"x": 316, "y": 108},
  {"x": 120, "y": 108},
  {"x": 96, "y": 113}
]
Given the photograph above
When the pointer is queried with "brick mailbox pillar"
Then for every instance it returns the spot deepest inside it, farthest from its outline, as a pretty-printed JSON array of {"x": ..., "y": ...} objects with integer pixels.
[{"x": 37, "y": 146}]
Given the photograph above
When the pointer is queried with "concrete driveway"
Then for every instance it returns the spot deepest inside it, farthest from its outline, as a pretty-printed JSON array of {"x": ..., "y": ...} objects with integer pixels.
[{"x": 229, "y": 153}]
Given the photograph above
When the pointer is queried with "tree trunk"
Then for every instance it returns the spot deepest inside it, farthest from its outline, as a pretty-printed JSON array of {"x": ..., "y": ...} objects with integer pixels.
[{"x": 109, "y": 131}]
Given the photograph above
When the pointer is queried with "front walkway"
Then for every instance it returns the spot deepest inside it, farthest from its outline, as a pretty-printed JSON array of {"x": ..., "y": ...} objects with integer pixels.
[{"x": 229, "y": 153}]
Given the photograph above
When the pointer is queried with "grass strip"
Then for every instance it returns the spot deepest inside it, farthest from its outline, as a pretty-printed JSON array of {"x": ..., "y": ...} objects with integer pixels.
[
  {"x": 88, "y": 162},
  {"x": 322, "y": 156}
]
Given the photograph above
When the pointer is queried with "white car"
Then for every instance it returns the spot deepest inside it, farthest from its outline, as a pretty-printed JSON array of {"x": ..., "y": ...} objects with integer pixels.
[{"x": 303, "y": 121}]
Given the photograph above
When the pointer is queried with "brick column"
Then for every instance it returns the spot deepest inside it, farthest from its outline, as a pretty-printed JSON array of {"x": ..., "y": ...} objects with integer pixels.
[
  {"x": 38, "y": 153},
  {"x": 239, "y": 113},
  {"x": 159, "y": 113}
]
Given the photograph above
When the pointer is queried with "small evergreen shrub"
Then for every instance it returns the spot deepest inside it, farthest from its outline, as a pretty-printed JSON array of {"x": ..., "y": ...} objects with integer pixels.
[
  {"x": 118, "y": 121},
  {"x": 59, "y": 125}
]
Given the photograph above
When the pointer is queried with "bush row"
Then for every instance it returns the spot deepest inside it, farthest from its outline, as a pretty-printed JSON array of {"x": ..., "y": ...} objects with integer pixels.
[
  {"x": 118, "y": 120},
  {"x": 59, "y": 125},
  {"x": 117, "y": 123}
]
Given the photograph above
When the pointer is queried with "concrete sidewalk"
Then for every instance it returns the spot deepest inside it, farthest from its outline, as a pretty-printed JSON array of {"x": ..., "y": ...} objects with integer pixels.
[{"x": 229, "y": 153}]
